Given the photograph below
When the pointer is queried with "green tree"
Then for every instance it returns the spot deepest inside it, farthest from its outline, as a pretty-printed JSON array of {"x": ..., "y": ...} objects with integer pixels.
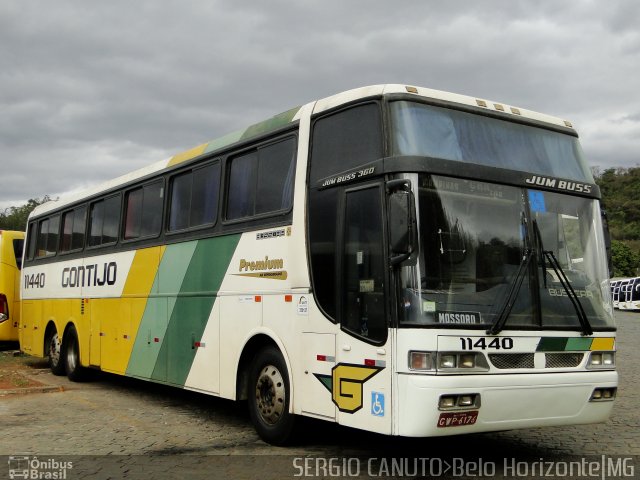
[
  {"x": 620, "y": 189},
  {"x": 15, "y": 218},
  {"x": 625, "y": 261}
]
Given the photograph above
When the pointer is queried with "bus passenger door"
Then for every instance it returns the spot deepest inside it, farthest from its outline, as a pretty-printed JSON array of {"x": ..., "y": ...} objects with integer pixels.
[{"x": 361, "y": 379}]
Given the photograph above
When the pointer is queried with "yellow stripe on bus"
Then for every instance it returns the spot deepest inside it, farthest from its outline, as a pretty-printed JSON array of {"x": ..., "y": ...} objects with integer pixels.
[
  {"x": 603, "y": 344},
  {"x": 143, "y": 272},
  {"x": 188, "y": 155},
  {"x": 119, "y": 318}
]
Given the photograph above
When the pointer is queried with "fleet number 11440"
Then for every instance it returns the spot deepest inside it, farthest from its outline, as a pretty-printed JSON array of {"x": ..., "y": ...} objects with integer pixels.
[{"x": 484, "y": 343}]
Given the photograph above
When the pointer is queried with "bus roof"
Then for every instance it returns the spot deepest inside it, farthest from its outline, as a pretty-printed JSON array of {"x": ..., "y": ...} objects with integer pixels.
[{"x": 283, "y": 119}]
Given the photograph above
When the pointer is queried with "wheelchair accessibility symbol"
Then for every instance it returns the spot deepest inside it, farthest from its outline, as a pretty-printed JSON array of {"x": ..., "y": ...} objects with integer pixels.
[{"x": 377, "y": 404}]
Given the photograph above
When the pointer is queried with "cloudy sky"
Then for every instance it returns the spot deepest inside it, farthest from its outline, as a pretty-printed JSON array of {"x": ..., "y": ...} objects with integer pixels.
[{"x": 90, "y": 90}]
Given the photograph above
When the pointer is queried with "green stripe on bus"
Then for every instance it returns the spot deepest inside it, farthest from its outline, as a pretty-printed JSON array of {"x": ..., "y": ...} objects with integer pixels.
[
  {"x": 153, "y": 326},
  {"x": 564, "y": 344},
  {"x": 579, "y": 344},
  {"x": 271, "y": 124},
  {"x": 225, "y": 141},
  {"x": 552, "y": 344},
  {"x": 193, "y": 306}
]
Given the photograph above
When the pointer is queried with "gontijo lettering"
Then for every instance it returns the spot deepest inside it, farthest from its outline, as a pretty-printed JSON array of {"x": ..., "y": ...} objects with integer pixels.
[{"x": 90, "y": 275}]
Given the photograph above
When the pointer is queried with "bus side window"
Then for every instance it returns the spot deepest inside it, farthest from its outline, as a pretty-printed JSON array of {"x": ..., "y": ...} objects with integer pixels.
[
  {"x": 18, "y": 249},
  {"x": 73, "y": 223},
  {"x": 104, "y": 221},
  {"x": 345, "y": 140},
  {"x": 143, "y": 211},
  {"x": 47, "y": 243},
  {"x": 32, "y": 237},
  {"x": 194, "y": 198},
  {"x": 261, "y": 181}
]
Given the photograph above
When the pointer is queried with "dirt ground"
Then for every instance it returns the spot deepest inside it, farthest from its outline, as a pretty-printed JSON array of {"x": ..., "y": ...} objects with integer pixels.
[{"x": 17, "y": 371}]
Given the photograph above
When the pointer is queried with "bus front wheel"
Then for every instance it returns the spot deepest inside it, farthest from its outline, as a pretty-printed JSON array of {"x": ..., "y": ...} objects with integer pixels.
[{"x": 269, "y": 396}]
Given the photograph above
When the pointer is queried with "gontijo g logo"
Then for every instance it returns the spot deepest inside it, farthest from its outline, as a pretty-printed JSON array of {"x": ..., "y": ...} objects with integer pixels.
[{"x": 345, "y": 384}]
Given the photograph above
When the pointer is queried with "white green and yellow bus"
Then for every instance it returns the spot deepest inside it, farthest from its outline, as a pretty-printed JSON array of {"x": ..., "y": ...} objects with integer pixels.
[
  {"x": 392, "y": 258},
  {"x": 11, "y": 245}
]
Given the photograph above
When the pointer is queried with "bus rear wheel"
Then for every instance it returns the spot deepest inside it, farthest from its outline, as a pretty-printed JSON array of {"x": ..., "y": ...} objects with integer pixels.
[
  {"x": 269, "y": 396},
  {"x": 54, "y": 350},
  {"x": 71, "y": 355}
]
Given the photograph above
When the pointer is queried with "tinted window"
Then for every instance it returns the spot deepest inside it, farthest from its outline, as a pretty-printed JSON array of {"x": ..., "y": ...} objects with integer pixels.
[
  {"x": 180, "y": 201},
  {"x": 465, "y": 137},
  {"x": 18, "y": 247},
  {"x": 275, "y": 177},
  {"x": 48, "y": 236},
  {"x": 323, "y": 205},
  {"x": 364, "y": 266},
  {"x": 73, "y": 224},
  {"x": 242, "y": 186},
  {"x": 32, "y": 240},
  {"x": 194, "y": 197},
  {"x": 261, "y": 181},
  {"x": 346, "y": 140},
  {"x": 97, "y": 219},
  {"x": 143, "y": 216},
  {"x": 104, "y": 220},
  {"x": 111, "y": 219},
  {"x": 204, "y": 195}
]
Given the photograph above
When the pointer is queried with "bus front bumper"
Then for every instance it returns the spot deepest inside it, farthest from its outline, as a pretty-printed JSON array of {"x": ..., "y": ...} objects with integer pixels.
[{"x": 506, "y": 402}]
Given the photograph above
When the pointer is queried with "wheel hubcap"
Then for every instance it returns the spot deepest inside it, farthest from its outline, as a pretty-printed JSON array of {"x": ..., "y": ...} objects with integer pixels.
[
  {"x": 270, "y": 394},
  {"x": 54, "y": 349}
]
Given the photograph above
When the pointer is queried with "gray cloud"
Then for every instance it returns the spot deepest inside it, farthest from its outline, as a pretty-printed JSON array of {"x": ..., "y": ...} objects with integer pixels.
[{"x": 91, "y": 90}]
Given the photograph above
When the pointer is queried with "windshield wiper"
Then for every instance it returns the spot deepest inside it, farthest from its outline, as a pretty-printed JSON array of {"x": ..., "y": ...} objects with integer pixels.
[
  {"x": 507, "y": 306},
  {"x": 564, "y": 281}
]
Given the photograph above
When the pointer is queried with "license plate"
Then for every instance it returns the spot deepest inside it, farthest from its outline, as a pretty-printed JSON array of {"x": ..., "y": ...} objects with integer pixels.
[{"x": 457, "y": 419}]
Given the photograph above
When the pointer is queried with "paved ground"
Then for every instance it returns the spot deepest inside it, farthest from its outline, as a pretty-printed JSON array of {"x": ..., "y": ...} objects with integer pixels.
[{"x": 115, "y": 427}]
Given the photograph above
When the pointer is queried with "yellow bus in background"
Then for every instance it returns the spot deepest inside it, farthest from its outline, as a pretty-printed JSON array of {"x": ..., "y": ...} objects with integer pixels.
[{"x": 11, "y": 244}]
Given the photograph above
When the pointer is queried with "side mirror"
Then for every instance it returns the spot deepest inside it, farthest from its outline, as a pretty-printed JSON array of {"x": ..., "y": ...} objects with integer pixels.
[{"x": 402, "y": 225}]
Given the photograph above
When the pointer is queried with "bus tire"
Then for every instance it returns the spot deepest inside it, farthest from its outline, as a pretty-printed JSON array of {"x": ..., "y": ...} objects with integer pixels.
[
  {"x": 269, "y": 397},
  {"x": 71, "y": 356},
  {"x": 54, "y": 353}
]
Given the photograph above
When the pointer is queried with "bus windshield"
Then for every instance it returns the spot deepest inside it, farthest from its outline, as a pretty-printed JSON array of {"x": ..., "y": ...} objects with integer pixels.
[
  {"x": 476, "y": 239},
  {"x": 430, "y": 131}
]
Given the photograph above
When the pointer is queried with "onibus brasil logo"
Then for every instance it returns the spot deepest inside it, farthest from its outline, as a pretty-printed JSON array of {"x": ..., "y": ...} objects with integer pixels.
[{"x": 24, "y": 466}]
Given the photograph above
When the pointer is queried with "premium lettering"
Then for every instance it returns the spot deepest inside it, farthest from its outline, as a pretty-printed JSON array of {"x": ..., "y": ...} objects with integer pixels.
[{"x": 266, "y": 264}]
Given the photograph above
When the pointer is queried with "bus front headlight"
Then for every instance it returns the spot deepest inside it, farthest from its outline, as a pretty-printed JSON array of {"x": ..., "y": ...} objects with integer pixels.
[
  {"x": 462, "y": 362},
  {"x": 602, "y": 360}
]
